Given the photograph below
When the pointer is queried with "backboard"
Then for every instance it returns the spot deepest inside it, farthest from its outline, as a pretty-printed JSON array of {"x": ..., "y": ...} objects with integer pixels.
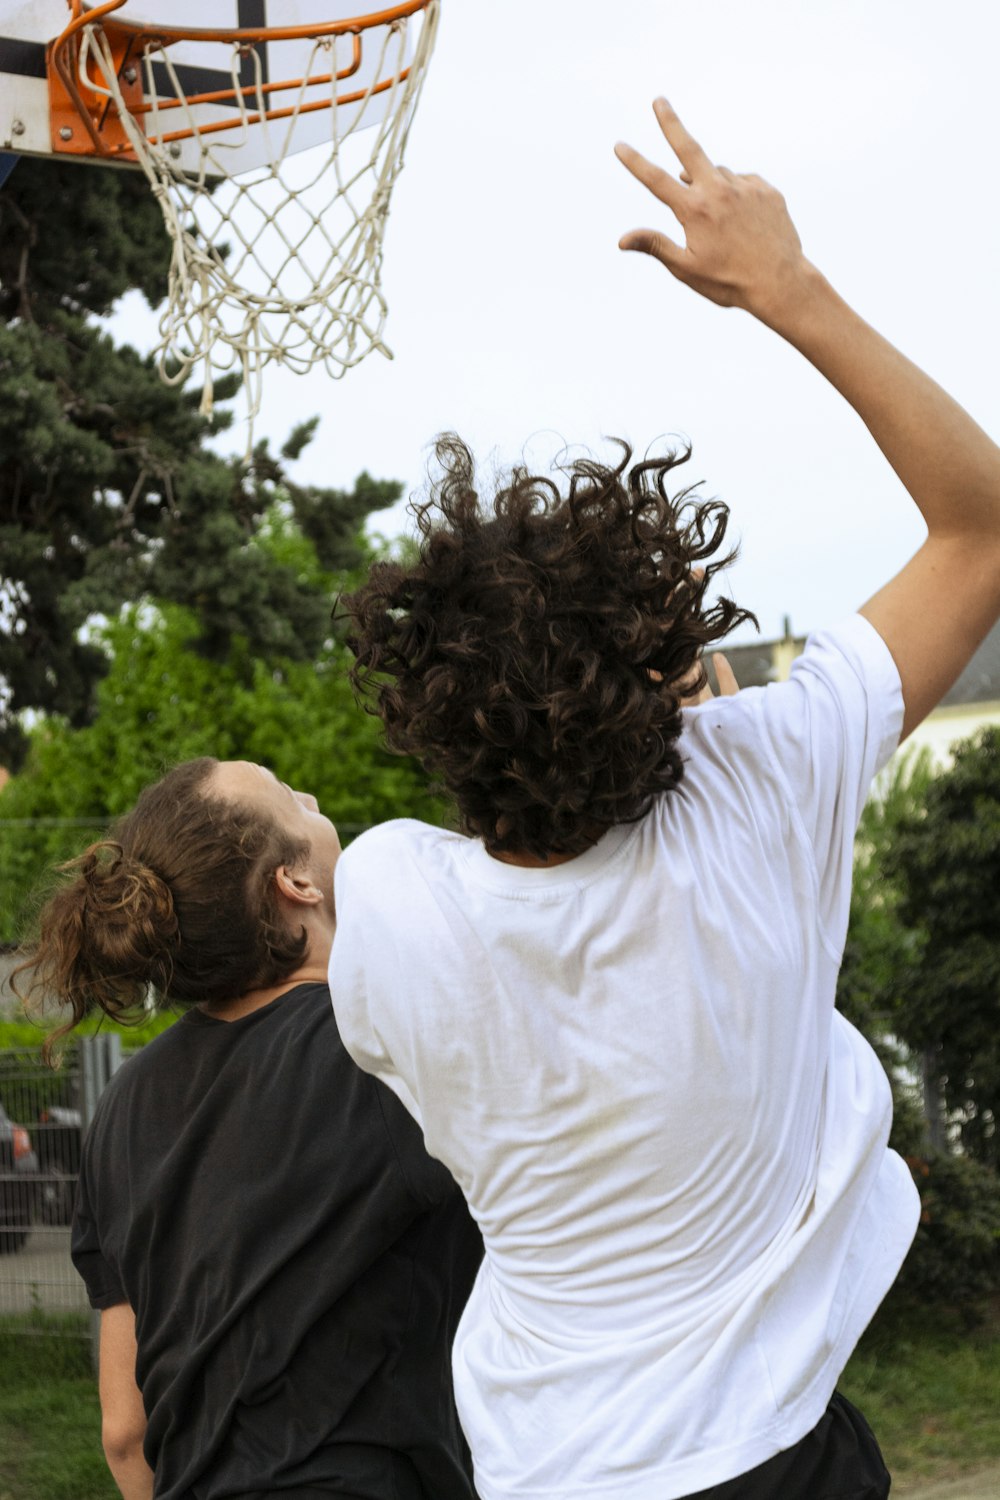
[
  {"x": 282, "y": 67},
  {"x": 248, "y": 132}
]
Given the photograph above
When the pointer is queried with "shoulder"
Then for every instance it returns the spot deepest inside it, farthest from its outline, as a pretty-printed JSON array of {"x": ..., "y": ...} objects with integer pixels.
[
  {"x": 397, "y": 833},
  {"x": 842, "y": 704},
  {"x": 389, "y": 846},
  {"x": 849, "y": 654},
  {"x": 140, "y": 1061},
  {"x": 812, "y": 743},
  {"x": 140, "y": 1066},
  {"x": 845, "y": 669}
]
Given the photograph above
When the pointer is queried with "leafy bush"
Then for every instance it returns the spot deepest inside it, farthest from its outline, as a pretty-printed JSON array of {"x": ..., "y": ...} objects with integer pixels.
[
  {"x": 27, "y": 1033},
  {"x": 955, "y": 1258}
]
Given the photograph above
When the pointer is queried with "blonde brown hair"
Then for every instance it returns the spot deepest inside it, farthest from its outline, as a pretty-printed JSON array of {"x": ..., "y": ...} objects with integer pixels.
[{"x": 179, "y": 902}]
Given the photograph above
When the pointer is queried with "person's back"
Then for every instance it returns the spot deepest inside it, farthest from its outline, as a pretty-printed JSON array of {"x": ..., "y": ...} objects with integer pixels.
[
  {"x": 619, "y": 1029},
  {"x": 296, "y": 1262},
  {"x": 673, "y": 1146},
  {"x": 278, "y": 1264}
]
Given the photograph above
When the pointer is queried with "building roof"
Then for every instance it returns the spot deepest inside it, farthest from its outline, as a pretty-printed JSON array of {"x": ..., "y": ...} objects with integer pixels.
[
  {"x": 980, "y": 682},
  {"x": 755, "y": 666}
]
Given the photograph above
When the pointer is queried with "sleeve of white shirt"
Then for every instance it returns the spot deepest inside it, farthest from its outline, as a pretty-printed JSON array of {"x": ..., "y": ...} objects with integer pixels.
[{"x": 830, "y": 729}]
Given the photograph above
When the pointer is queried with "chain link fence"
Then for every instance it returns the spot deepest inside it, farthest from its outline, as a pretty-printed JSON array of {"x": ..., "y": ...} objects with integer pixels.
[{"x": 43, "y": 1118}]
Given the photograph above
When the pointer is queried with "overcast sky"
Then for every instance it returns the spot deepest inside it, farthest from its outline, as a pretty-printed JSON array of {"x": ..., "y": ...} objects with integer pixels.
[{"x": 516, "y": 321}]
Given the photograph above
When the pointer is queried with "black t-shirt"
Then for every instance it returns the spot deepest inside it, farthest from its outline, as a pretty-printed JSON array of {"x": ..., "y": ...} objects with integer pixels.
[{"x": 297, "y": 1263}]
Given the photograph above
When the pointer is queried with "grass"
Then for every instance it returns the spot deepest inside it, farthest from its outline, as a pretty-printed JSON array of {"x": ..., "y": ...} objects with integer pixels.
[
  {"x": 932, "y": 1396},
  {"x": 50, "y": 1434},
  {"x": 21, "y": 1030}
]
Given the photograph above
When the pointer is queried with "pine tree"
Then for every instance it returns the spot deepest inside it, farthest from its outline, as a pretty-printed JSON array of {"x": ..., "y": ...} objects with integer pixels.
[{"x": 108, "y": 490}]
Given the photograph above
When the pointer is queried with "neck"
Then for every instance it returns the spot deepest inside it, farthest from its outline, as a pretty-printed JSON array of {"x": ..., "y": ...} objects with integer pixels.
[
  {"x": 529, "y": 861},
  {"x": 233, "y": 1010}
]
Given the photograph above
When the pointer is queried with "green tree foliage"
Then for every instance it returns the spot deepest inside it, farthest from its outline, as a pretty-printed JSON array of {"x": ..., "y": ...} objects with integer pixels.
[
  {"x": 108, "y": 492},
  {"x": 918, "y": 895},
  {"x": 881, "y": 949},
  {"x": 955, "y": 1258},
  {"x": 162, "y": 702},
  {"x": 945, "y": 861}
]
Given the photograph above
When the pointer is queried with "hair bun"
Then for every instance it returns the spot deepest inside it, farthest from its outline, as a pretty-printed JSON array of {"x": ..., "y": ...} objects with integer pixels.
[{"x": 128, "y": 910}]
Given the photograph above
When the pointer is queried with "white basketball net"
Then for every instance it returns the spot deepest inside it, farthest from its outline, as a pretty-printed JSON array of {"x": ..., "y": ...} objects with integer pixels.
[{"x": 284, "y": 262}]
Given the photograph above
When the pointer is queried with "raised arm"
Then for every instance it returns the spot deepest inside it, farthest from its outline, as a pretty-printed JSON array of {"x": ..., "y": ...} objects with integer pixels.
[{"x": 742, "y": 250}]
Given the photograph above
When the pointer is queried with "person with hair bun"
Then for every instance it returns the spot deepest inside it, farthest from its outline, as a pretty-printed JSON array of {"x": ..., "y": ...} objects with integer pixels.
[
  {"x": 278, "y": 1264},
  {"x": 618, "y": 1027}
]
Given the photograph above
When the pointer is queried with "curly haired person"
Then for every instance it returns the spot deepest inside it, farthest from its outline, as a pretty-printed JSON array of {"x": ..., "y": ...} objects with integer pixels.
[
  {"x": 278, "y": 1264},
  {"x": 617, "y": 1025}
]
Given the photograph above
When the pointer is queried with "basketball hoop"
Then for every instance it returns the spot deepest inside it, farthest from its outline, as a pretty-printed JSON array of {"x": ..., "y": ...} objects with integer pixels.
[{"x": 275, "y": 203}]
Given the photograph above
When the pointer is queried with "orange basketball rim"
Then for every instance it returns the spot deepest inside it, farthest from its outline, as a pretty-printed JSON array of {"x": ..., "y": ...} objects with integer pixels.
[{"x": 85, "y": 122}]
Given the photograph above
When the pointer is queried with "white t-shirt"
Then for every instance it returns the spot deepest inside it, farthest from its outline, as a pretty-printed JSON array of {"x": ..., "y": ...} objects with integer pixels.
[{"x": 674, "y": 1147}]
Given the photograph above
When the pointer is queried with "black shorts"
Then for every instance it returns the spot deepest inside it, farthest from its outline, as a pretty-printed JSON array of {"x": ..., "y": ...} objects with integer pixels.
[{"x": 838, "y": 1460}]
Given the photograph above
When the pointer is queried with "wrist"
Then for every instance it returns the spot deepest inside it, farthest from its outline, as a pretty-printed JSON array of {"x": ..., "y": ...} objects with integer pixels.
[{"x": 792, "y": 299}]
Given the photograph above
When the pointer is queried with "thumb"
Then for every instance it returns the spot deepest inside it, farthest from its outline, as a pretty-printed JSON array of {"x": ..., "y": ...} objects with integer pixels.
[{"x": 653, "y": 242}]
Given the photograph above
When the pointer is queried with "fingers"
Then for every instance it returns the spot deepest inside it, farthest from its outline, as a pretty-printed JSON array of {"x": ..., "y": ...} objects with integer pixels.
[
  {"x": 659, "y": 182},
  {"x": 725, "y": 676},
  {"x": 663, "y": 186},
  {"x": 694, "y": 688},
  {"x": 684, "y": 146},
  {"x": 653, "y": 242}
]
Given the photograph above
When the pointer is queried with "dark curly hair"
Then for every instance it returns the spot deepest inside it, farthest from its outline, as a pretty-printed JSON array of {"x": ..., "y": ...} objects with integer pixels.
[{"x": 514, "y": 656}]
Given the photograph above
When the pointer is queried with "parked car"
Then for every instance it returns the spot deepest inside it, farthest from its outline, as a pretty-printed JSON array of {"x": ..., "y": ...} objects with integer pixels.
[
  {"x": 58, "y": 1136},
  {"x": 18, "y": 1183}
]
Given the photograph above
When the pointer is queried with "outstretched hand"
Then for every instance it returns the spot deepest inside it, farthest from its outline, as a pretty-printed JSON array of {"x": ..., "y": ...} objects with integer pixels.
[{"x": 741, "y": 250}]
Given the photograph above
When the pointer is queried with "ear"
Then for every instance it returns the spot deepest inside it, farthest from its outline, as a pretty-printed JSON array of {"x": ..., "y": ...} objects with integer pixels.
[{"x": 296, "y": 886}]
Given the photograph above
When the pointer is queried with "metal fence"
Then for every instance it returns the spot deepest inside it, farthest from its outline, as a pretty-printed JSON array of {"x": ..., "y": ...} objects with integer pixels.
[{"x": 43, "y": 1117}]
